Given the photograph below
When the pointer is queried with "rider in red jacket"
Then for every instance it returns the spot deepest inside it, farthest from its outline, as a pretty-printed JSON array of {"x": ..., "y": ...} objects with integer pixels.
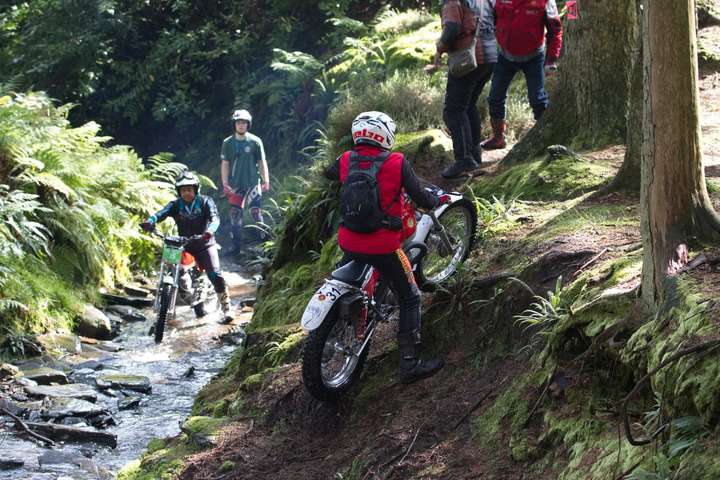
[
  {"x": 529, "y": 37},
  {"x": 374, "y": 135}
]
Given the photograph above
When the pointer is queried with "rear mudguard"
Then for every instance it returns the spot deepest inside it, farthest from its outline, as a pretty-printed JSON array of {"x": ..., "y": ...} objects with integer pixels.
[{"x": 322, "y": 302}]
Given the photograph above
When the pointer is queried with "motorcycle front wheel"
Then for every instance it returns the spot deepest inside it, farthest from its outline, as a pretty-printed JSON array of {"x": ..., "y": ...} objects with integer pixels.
[
  {"x": 329, "y": 364},
  {"x": 460, "y": 222},
  {"x": 163, "y": 315}
]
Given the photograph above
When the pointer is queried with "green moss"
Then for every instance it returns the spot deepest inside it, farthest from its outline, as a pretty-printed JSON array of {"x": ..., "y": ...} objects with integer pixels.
[
  {"x": 227, "y": 466},
  {"x": 155, "y": 444},
  {"x": 204, "y": 425},
  {"x": 163, "y": 464},
  {"x": 412, "y": 50},
  {"x": 560, "y": 179}
]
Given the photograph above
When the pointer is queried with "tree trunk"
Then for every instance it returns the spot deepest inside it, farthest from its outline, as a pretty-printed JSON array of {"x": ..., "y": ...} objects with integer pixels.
[
  {"x": 589, "y": 106},
  {"x": 628, "y": 177},
  {"x": 674, "y": 201}
]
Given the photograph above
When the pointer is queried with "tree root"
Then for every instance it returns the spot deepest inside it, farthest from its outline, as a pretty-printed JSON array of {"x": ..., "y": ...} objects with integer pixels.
[{"x": 638, "y": 442}]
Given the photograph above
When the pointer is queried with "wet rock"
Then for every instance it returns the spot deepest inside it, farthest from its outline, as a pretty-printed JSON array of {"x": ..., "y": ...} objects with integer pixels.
[
  {"x": 8, "y": 370},
  {"x": 45, "y": 376},
  {"x": 75, "y": 421},
  {"x": 130, "y": 382},
  {"x": 26, "y": 382},
  {"x": 190, "y": 372},
  {"x": 19, "y": 408},
  {"x": 248, "y": 302},
  {"x": 234, "y": 336},
  {"x": 67, "y": 433},
  {"x": 72, "y": 390},
  {"x": 127, "y": 313},
  {"x": 67, "y": 407},
  {"x": 103, "y": 421},
  {"x": 94, "y": 324},
  {"x": 136, "y": 290},
  {"x": 110, "y": 347},
  {"x": 129, "y": 403},
  {"x": 55, "y": 457},
  {"x": 137, "y": 302},
  {"x": 90, "y": 364},
  {"x": 11, "y": 463},
  {"x": 59, "y": 341}
]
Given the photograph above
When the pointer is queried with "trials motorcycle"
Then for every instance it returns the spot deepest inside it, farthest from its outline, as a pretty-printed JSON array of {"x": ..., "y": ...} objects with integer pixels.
[{"x": 343, "y": 314}]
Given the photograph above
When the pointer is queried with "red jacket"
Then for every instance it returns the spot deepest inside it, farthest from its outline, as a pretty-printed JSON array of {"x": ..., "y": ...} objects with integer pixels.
[
  {"x": 520, "y": 27},
  {"x": 389, "y": 178}
]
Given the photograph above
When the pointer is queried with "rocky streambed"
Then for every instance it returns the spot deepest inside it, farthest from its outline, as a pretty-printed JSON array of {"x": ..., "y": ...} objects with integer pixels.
[{"x": 92, "y": 405}]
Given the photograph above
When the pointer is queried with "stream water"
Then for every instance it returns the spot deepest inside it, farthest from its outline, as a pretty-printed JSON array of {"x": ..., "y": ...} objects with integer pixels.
[{"x": 189, "y": 342}]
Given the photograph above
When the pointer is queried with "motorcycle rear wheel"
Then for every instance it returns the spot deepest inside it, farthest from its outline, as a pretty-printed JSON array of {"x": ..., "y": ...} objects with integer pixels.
[
  {"x": 329, "y": 368},
  {"x": 460, "y": 222}
]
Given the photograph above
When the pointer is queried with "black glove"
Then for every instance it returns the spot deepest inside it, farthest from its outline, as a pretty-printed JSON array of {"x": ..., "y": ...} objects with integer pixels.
[{"x": 147, "y": 226}]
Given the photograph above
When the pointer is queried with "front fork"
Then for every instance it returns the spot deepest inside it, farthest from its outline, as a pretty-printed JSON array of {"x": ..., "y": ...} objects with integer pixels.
[
  {"x": 177, "y": 270},
  {"x": 441, "y": 232}
]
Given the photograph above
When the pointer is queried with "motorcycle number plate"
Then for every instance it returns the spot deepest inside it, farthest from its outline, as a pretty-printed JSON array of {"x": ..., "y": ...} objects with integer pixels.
[
  {"x": 172, "y": 255},
  {"x": 321, "y": 303}
]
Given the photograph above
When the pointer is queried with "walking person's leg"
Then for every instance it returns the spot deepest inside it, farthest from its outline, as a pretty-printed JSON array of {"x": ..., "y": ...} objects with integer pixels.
[
  {"x": 502, "y": 77},
  {"x": 209, "y": 261},
  {"x": 455, "y": 115},
  {"x": 484, "y": 75},
  {"x": 534, "y": 71}
]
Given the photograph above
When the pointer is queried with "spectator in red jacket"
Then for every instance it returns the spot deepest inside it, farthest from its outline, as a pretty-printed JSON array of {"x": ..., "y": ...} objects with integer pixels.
[{"x": 522, "y": 27}]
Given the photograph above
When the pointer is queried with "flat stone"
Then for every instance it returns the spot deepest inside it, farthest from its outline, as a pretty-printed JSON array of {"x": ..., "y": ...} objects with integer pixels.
[
  {"x": 90, "y": 364},
  {"x": 138, "y": 302},
  {"x": 129, "y": 403},
  {"x": 45, "y": 376},
  {"x": 72, "y": 390},
  {"x": 11, "y": 463},
  {"x": 94, "y": 323},
  {"x": 109, "y": 347},
  {"x": 127, "y": 313},
  {"x": 73, "y": 434},
  {"x": 71, "y": 407},
  {"x": 19, "y": 408},
  {"x": 55, "y": 457},
  {"x": 129, "y": 382},
  {"x": 136, "y": 290},
  {"x": 54, "y": 341}
]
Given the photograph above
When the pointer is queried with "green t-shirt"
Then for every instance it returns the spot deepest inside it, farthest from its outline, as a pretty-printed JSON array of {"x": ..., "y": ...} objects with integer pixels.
[{"x": 244, "y": 157}]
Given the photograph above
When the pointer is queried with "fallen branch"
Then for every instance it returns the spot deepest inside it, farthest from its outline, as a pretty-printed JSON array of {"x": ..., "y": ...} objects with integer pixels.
[
  {"x": 638, "y": 442},
  {"x": 492, "y": 280},
  {"x": 590, "y": 262},
  {"x": 25, "y": 428},
  {"x": 412, "y": 444}
]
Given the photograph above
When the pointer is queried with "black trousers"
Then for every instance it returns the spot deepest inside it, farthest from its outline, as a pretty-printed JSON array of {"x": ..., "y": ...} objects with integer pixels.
[
  {"x": 460, "y": 113},
  {"x": 395, "y": 268},
  {"x": 208, "y": 260}
]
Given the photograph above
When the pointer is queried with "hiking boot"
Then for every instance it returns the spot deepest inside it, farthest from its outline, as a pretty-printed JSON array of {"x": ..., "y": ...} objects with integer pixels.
[
  {"x": 459, "y": 167},
  {"x": 224, "y": 299},
  {"x": 199, "y": 310},
  {"x": 412, "y": 368},
  {"x": 497, "y": 141},
  {"x": 477, "y": 154}
]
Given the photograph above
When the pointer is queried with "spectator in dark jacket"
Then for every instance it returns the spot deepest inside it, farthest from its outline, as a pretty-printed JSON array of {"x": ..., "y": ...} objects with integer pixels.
[
  {"x": 522, "y": 27},
  {"x": 459, "y": 25}
]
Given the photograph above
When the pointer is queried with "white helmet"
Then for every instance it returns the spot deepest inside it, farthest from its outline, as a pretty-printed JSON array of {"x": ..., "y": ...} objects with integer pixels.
[
  {"x": 375, "y": 128},
  {"x": 242, "y": 115},
  {"x": 185, "y": 179}
]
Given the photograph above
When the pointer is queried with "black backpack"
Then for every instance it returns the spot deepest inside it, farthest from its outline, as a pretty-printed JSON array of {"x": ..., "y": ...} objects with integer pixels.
[{"x": 360, "y": 208}]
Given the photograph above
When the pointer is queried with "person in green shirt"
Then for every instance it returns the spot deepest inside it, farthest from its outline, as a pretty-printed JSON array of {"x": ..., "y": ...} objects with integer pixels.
[{"x": 244, "y": 174}]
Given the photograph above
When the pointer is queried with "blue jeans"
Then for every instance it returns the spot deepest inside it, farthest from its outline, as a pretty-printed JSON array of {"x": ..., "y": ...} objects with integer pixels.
[{"x": 505, "y": 70}]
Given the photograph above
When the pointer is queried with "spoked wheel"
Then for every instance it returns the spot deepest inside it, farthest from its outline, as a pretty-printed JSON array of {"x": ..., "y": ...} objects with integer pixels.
[
  {"x": 330, "y": 365},
  {"x": 459, "y": 221}
]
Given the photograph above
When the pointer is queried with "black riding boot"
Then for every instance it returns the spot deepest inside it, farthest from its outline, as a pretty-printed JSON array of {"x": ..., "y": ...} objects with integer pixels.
[{"x": 412, "y": 368}]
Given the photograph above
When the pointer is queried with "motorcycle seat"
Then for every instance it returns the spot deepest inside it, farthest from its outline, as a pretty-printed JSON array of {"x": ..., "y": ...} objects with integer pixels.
[{"x": 353, "y": 273}]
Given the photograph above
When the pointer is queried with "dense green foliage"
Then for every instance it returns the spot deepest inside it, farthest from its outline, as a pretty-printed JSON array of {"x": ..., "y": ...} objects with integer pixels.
[
  {"x": 151, "y": 72},
  {"x": 69, "y": 209}
]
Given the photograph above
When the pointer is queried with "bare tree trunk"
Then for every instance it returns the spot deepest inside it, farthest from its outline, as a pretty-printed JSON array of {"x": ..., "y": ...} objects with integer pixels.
[
  {"x": 628, "y": 177},
  {"x": 591, "y": 100},
  {"x": 674, "y": 201}
]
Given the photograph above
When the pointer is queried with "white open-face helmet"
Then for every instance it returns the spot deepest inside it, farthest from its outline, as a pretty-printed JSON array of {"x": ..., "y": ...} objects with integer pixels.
[
  {"x": 185, "y": 179},
  {"x": 374, "y": 128},
  {"x": 242, "y": 115}
]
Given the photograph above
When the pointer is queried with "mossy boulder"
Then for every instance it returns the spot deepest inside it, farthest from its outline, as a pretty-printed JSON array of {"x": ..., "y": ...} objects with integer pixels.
[{"x": 413, "y": 49}]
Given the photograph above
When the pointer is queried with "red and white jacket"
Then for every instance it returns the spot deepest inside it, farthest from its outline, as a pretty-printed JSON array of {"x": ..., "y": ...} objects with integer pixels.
[{"x": 521, "y": 25}]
